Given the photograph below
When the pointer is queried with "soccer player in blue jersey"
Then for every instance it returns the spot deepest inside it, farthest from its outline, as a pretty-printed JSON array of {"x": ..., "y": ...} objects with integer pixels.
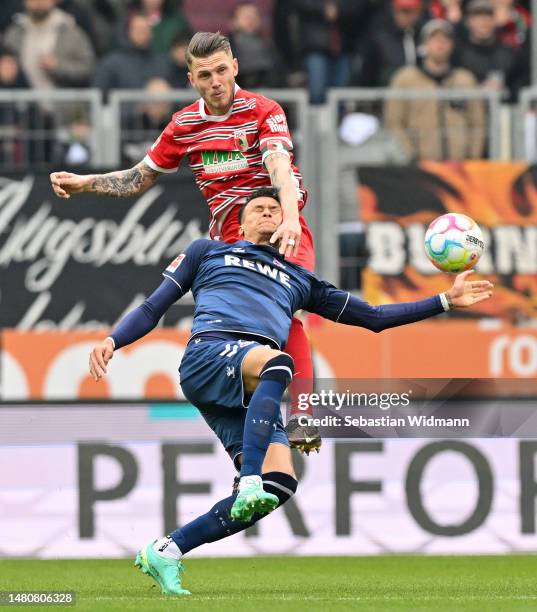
[{"x": 234, "y": 370}]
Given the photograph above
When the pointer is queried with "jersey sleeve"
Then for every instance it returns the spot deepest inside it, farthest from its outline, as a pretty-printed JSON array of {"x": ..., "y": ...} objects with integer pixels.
[
  {"x": 325, "y": 299},
  {"x": 274, "y": 136},
  {"x": 164, "y": 155},
  {"x": 337, "y": 305},
  {"x": 143, "y": 319},
  {"x": 183, "y": 269}
]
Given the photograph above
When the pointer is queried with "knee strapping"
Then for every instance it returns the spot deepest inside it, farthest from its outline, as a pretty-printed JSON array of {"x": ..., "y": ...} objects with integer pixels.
[{"x": 280, "y": 368}]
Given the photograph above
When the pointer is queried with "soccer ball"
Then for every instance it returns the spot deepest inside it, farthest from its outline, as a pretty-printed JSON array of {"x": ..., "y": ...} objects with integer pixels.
[{"x": 453, "y": 242}]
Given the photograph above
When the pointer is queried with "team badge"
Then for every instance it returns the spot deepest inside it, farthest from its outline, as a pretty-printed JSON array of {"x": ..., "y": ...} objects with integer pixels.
[
  {"x": 175, "y": 263},
  {"x": 275, "y": 145},
  {"x": 241, "y": 140}
]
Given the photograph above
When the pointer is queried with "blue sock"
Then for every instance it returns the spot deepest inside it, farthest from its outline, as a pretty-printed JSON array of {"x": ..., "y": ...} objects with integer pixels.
[
  {"x": 217, "y": 524},
  {"x": 214, "y": 525},
  {"x": 263, "y": 412}
]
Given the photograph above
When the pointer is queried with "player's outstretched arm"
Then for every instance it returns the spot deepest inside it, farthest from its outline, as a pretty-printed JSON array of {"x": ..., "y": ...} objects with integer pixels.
[
  {"x": 120, "y": 184},
  {"x": 340, "y": 306},
  {"x": 281, "y": 177}
]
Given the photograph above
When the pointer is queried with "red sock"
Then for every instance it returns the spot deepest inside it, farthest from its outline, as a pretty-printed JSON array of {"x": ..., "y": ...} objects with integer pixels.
[{"x": 298, "y": 347}]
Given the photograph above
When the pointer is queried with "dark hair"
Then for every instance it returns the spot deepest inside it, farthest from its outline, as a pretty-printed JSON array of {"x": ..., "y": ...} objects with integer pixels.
[
  {"x": 262, "y": 192},
  {"x": 204, "y": 44}
]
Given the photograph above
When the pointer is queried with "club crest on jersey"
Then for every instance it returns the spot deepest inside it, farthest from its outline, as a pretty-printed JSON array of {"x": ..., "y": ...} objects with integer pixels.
[
  {"x": 241, "y": 140},
  {"x": 275, "y": 145},
  {"x": 175, "y": 263}
]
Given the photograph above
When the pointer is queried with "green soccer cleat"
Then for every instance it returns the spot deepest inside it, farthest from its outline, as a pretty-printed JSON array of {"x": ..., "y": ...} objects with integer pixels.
[
  {"x": 252, "y": 499},
  {"x": 164, "y": 571}
]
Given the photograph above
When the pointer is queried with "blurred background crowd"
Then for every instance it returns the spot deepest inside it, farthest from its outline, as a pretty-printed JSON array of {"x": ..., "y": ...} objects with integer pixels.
[
  {"x": 402, "y": 46},
  {"x": 279, "y": 43}
]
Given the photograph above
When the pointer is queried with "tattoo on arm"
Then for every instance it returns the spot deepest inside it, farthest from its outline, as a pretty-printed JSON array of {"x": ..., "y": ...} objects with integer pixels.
[
  {"x": 125, "y": 183},
  {"x": 278, "y": 173}
]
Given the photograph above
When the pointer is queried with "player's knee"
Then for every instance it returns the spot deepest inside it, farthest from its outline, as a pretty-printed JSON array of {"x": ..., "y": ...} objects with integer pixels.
[
  {"x": 280, "y": 368},
  {"x": 280, "y": 484}
]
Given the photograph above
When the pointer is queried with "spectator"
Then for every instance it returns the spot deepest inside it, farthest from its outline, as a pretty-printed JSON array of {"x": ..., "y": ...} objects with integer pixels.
[
  {"x": 490, "y": 61},
  {"x": 519, "y": 76},
  {"x": 75, "y": 141},
  {"x": 102, "y": 16},
  {"x": 80, "y": 13},
  {"x": 286, "y": 45},
  {"x": 144, "y": 126},
  {"x": 166, "y": 20},
  {"x": 11, "y": 143},
  {"x": 26, "y": 130},
  {"x": 11, "y": 75},
  {"x": 512, "y": 23},
  {"x": 252, "y": 51},
  {"x": 177, "y": 68},
  {"x": 328, "y": 34},
  {"x": 134, "y": 65},
  {"x": 52, "y": 49},
  {"x": 450, "y": 10},
  {"x": 393, "y": 43},
  {"x": 432, "y": 129}
]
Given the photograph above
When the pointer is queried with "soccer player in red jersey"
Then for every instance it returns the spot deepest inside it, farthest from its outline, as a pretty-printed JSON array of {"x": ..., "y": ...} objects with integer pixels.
[{"x": 235, "y": 141}]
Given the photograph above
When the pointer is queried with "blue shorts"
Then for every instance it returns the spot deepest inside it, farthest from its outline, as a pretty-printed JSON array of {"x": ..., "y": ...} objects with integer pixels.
[{"x": 211, "y": 379}]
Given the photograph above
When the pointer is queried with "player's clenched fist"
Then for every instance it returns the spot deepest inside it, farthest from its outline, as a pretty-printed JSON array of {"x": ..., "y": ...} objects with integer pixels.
[
  {"x": 99, "y": 358},
  {"x": 66, "y": 184}
]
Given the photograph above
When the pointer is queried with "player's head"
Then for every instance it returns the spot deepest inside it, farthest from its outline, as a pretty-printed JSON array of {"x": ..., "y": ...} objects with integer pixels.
[
  {"x": 260, "y": 215},
  {"x": 212, "y": 70}
]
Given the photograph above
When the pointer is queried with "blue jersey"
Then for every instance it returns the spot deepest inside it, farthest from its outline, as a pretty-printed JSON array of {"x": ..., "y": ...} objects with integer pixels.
[{"x": 251, "y": 289}]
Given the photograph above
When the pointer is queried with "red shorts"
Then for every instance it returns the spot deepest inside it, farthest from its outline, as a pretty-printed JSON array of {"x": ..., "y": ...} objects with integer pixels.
[{"x": 306, "y": 250}]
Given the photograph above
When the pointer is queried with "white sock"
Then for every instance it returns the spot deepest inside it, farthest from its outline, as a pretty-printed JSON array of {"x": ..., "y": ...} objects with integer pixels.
[
  {"x": 166, "y": 547},
  {"x": 248, "y": 481}
]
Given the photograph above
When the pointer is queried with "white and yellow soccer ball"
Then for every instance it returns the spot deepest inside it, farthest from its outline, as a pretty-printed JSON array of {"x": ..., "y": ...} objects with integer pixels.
[{"x": 454, "y": 242}]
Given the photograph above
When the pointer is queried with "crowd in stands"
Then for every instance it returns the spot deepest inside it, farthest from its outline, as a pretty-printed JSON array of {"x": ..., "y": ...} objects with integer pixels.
[
  {"x": 134, "y": 44},
  {"x": 319, "y": 43}
]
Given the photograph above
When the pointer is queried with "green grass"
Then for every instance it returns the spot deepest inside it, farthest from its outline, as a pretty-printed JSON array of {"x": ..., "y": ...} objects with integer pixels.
[{"x": 292, "y": 583}]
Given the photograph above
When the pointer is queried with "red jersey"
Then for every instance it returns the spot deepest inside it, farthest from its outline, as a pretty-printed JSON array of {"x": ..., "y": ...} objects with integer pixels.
[{"x": 226, "y": 153}]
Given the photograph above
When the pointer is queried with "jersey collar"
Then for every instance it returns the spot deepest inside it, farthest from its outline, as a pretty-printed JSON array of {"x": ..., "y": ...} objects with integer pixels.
[{"x": 207, "y": 117}]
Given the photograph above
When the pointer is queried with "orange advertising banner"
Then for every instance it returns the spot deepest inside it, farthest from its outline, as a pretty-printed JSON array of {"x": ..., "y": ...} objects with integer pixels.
[
  {"x": 398, "y": 204},
  {"x": 53, "y": 366}
]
